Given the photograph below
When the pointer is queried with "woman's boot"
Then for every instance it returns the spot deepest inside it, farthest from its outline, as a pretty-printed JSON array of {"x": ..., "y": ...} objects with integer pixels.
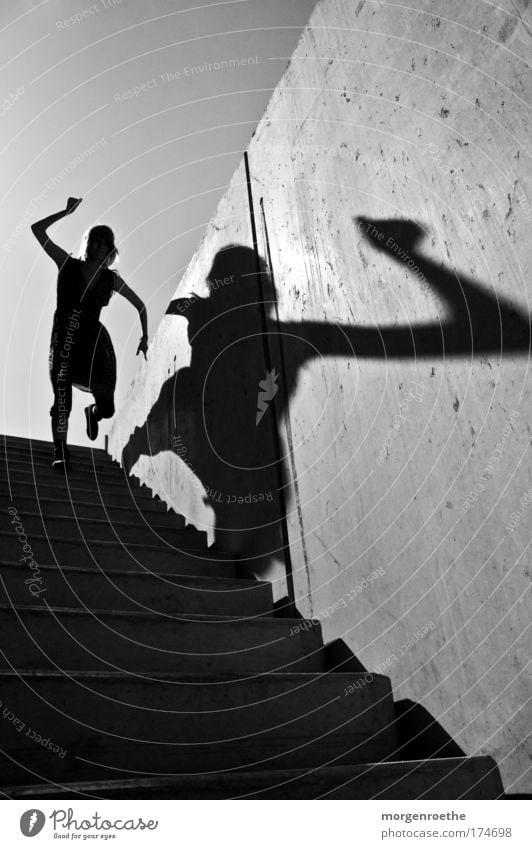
[{"x": 61, "y": 458}]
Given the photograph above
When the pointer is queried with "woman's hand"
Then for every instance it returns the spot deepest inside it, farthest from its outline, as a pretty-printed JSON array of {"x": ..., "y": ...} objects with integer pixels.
[
  {"x": 72, "y": 205},
  {"x": 143, "y": 346}
]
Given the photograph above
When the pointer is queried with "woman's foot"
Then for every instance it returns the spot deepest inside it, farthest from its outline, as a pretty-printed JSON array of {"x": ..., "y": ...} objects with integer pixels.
[
  {"x": 61, "y": 461},
  {"x": 92, "y": 421}
]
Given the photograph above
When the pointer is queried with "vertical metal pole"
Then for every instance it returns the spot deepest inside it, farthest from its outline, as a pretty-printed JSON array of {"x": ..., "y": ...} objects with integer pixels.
[{"x": 276, "y": 423}]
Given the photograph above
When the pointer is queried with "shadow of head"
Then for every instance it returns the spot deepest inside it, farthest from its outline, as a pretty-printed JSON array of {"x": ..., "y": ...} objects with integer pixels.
[{"x": 239, "y": 276}]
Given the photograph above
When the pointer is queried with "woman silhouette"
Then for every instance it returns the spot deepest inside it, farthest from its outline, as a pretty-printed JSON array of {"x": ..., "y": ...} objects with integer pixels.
[{"x": 81, "y": 351}]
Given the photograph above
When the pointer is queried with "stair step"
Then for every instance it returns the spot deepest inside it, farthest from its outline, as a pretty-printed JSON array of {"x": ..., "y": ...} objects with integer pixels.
[
  {"x": 33, "y": 637},
  {"x": 84, "y": 527},
  {"x": 108, "y": 555},
  {"x": 73, "y": 492},
  {"x": 87, "y": 476},
  {"x": 43, "y": 457},
  {"x": 24, "y": 441},
  {"x": 27, "y": 444},
  {"x": 447, "y": 778},
  {"x": 153, "y": 512},
  {"x": 116, "y": 589},
  {"x": 192, "y": 724}
]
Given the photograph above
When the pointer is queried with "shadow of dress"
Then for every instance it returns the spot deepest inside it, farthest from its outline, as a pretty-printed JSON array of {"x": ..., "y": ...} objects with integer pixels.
[{"x": 81, "y": 351}]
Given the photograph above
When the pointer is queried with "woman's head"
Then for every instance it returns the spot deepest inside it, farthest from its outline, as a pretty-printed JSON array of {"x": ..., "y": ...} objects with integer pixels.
[{"x": 99, "y": 244}]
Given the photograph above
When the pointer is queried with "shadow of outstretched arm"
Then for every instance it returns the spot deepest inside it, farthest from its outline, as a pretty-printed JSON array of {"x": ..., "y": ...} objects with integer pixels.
[{"x": 478, "y": 322}]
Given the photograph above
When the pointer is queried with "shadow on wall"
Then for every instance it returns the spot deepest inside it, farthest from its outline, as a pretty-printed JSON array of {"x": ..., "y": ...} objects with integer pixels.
[
  {"x": 419, "y": 734},
  {"x": 220, "y": 414}
]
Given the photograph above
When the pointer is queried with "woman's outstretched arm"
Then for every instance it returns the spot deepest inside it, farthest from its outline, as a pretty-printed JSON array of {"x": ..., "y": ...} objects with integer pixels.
[
  {"x": 123, "y": 289},
  {"x": 39, "y": 230}
]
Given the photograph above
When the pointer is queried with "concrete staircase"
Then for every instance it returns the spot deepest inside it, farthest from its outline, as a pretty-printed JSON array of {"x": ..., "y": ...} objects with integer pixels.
[{"x": 134, "y": 663}]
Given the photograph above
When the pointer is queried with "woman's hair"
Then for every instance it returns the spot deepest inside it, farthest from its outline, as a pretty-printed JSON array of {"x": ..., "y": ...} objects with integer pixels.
[{"x": 100, "y": 231}]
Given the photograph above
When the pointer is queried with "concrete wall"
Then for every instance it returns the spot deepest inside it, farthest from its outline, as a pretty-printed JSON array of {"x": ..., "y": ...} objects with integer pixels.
[{"x": 391, "y": 164}]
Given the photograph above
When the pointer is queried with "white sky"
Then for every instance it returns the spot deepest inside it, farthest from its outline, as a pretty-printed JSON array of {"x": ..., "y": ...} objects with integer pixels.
[{"x": 154, "y": 185}]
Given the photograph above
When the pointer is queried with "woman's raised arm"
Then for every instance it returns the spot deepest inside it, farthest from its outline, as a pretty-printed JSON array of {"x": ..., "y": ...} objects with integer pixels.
[{"x": 39, "y": 230}]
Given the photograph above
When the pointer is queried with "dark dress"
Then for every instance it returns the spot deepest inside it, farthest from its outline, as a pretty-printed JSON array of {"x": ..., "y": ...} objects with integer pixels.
[{"x": 81, "y": 351}]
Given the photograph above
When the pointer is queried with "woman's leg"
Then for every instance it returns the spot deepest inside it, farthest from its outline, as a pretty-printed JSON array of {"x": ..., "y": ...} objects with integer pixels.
[
  {"x": 59, "y": 413},
  {"x": 61, "y": 408},
  {"x": 104, "y": 408}
]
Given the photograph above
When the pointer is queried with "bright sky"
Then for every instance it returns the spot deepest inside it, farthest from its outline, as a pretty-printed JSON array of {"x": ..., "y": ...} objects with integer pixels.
[{"x": 113, "y": 101}]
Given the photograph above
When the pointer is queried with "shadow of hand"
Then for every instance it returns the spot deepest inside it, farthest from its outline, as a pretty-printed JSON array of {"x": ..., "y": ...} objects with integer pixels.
[{"x": 390, "y": 235}]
